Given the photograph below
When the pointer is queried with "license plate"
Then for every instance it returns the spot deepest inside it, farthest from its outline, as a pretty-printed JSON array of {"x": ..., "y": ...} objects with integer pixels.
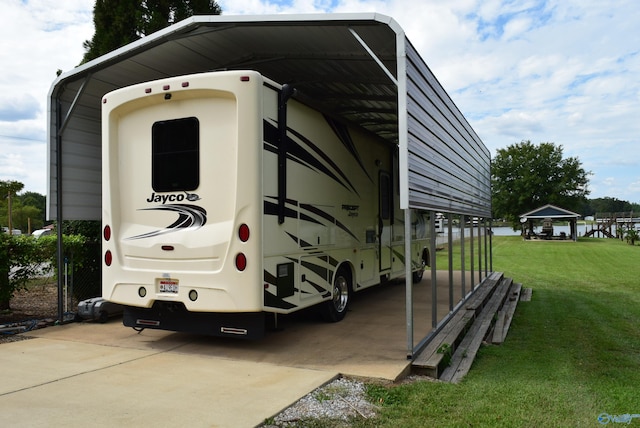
[{"x": 168, "y": 286}]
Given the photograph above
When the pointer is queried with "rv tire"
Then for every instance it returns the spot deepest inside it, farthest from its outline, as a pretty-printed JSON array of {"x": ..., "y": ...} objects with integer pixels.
[
  {"x": 424, "y": 262},
  {"x": 335, "y": 309}
]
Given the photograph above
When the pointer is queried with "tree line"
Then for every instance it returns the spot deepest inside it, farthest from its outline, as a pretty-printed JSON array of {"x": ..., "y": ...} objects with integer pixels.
[
  {"x": 609, "y": 205},
  {"x": 527, "y": 176}
]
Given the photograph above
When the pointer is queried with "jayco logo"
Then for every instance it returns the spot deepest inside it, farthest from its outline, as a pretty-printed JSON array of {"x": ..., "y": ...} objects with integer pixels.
[{"x": 172, "y": 197}]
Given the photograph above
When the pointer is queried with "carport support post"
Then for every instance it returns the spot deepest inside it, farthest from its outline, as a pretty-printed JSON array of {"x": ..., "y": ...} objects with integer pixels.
[
  {"x": 471, "y": 256},
  {"x": 59, "y": 246},
  {"x": 434, "y": 279},
  {"x": 463, "y": 280},
  {"x": 408, "y": 282},
  {"x": 450, "y": 251}
]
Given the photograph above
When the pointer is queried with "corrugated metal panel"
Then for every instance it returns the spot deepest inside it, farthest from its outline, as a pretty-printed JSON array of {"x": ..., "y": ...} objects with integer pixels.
[{"x": 449, "y": 167}]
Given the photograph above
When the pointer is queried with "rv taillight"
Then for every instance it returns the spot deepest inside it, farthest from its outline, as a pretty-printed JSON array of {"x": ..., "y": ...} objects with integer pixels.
[
  {"x": 241, "y": 262},
  {"x": 107, "y": 232},
  {"x": 108, "y": 258},
  {"x": 243, "y": 232}
]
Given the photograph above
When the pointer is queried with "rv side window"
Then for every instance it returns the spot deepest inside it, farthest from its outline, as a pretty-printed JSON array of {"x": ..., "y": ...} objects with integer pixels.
[{"x": 175, "y": 146}]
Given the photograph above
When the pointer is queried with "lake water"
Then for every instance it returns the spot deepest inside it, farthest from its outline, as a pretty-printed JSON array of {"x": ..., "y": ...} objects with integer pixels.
[{"x": 508, "y": 231}]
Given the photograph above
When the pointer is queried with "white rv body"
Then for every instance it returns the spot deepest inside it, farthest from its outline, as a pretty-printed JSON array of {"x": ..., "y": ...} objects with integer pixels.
[{"x": 219, "y": 207}]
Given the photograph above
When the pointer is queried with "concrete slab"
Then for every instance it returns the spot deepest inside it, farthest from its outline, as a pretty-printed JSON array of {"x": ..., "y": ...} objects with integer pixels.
[
  {"x": 111, "y": 375},
  {"x": 54, "y": 382}
]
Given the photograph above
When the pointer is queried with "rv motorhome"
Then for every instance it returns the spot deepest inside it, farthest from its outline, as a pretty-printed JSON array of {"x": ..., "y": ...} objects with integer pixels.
[{"x": 225, "y": 199}]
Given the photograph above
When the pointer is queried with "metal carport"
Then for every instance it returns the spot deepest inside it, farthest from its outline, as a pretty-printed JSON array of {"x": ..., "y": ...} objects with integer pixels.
[{"x": 360, "y": 67}]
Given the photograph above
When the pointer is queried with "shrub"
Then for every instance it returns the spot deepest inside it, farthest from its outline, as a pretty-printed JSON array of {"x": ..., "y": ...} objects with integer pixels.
[{"x": 23, "y": 257}]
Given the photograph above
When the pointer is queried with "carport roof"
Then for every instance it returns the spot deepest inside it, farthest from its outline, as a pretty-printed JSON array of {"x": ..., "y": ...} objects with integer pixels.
[
  {"x": 342, "y": 63},
  {"x": 358, "y": 67}
]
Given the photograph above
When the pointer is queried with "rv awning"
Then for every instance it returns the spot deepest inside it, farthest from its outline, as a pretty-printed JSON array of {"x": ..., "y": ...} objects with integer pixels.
[{"x": 358, "y": 67}]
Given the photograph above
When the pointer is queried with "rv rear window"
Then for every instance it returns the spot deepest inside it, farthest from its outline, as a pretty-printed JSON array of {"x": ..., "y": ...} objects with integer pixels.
[{"x": 175, "y": 155}]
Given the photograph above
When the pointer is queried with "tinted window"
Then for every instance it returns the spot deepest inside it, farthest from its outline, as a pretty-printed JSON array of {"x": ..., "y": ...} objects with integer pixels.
[{"x": 176, "y": 155}]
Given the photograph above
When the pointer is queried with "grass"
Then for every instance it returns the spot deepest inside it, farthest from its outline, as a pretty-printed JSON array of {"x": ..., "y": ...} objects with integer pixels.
[{"x": 571, "y": 354}]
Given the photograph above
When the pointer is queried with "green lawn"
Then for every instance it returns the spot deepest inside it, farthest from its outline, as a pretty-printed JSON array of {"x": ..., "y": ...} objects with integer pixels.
[{"x": 572, "y": 353}]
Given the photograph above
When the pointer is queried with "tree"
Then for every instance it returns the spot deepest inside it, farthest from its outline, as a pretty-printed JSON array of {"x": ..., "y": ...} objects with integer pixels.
[
  {"x": 27, "y": 209},
  {"x": 119, "y": 22},
  {"x": 157, "y": 14},
  {"x": 609, "y": 205},
  {"x": 526, "y": 176},
  {"x": 9, "y": 189},
  {"x": 631, "y": 236}
]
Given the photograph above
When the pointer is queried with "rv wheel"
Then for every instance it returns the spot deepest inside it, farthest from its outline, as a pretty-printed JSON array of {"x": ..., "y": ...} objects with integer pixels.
[
  {"x": 424, "y": 262},
  {"x": 336, "y": 308}
]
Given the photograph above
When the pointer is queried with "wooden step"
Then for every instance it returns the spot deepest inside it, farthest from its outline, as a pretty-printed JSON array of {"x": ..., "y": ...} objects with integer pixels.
[
  {"x": 484, "y": 318},
  {"x": 435, "y": 357},
  {"x": 464, "y": 355},
  {"x": 482, "y": 295},
  {"x": 505, "y": 315}
]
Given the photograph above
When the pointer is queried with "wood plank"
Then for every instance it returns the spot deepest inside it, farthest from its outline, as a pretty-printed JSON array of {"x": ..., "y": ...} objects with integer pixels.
[
  {"x": 511, "y": 310},
  {"x": 477, "y": 301},
  {"x": 498, "y": 329},
  {"x": 429, "y": 361},
  {"x": 525, "y": 296},
  {"x": 516, "y": 289},
  {"x": 463, "y": 356},
  {"x": 452, "y": 326},
  {"x": 490, "y": 296},
  {"x": 505, "y": 315}
]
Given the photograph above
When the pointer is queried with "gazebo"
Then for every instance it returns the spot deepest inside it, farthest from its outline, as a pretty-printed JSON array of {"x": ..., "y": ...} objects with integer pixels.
[{"x": 547, "y": 214}]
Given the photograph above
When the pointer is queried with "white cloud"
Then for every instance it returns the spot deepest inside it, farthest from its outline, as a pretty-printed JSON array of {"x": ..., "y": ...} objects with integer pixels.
[{"x": 36, "y": 39}]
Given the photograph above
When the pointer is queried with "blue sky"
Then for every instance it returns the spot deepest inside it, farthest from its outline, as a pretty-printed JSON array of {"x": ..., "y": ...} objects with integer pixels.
[{"x": 561, "y": 71}]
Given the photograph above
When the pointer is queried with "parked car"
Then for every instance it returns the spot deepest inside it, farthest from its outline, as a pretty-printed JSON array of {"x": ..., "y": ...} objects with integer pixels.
[
  {"x": 41, "y": 232},
  {"x": 13, "y": 232}
]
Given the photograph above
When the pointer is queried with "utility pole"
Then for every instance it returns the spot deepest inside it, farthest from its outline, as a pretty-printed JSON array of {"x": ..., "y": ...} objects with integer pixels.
[
  {"x": 9, "y": 212},
  {"x": 11, "y": 187}
]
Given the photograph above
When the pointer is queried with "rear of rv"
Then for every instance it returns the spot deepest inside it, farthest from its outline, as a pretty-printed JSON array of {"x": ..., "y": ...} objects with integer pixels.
[{"x": 182, "y": 203}]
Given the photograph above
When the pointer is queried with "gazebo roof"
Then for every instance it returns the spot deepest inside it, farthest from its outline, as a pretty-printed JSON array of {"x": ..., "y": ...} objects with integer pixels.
[{"x": 549, "y": 211}]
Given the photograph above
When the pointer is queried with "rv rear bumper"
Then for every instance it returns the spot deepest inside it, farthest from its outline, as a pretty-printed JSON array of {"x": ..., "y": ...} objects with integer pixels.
[{"x": 175, "y": 317}]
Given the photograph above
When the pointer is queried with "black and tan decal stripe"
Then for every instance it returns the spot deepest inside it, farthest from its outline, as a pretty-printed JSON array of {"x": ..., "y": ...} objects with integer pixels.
[
  {"x": 342, "y": 132},
  {"x": 271, "y": 208},
  {"x": 298, "y": 154}
]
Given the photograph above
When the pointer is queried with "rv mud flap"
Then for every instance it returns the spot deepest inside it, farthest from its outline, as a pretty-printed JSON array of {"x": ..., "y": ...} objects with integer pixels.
[{"x": 174, "y": 317}]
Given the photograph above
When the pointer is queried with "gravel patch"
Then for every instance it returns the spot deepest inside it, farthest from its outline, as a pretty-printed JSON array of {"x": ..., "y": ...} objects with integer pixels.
[{"x": 340, "y": 400}]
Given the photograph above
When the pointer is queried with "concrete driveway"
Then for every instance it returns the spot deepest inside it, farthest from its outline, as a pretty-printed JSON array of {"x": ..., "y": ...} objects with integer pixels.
[{"x": 109, "y": 375}]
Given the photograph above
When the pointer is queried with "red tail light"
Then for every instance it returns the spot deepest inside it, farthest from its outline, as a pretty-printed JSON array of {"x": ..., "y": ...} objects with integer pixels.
[
  {"x": 108, "y": 258},
  {"x": 243, "y": 232},
  {"x": 107, "y": 232},
  {"x": 241, "y": 262}
]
